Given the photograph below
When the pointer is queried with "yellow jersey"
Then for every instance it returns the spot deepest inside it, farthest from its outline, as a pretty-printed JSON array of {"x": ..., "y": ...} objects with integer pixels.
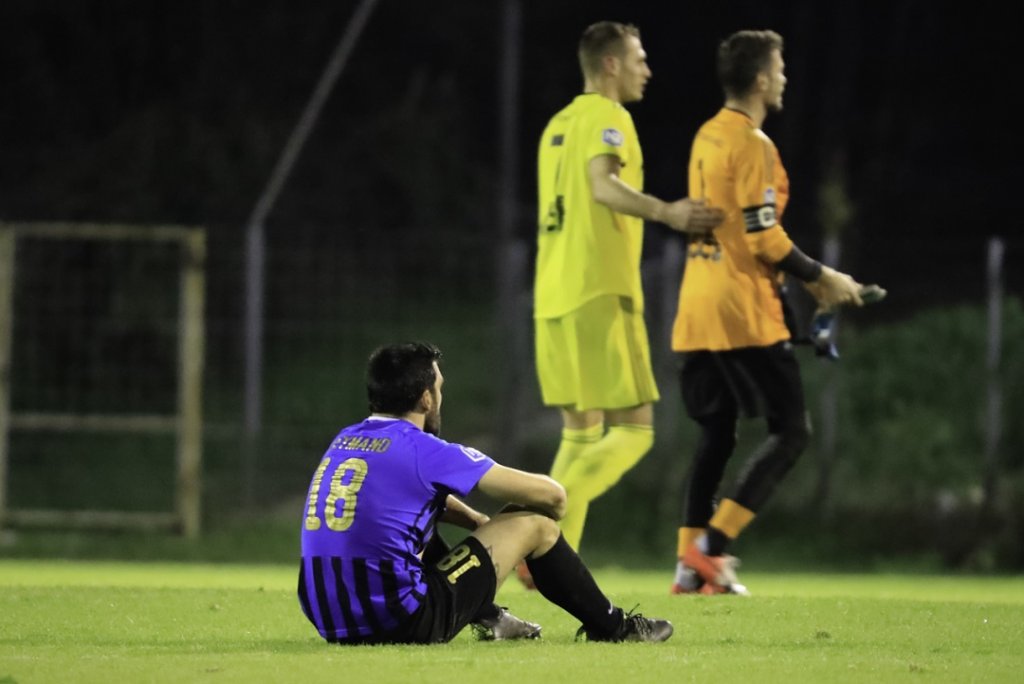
[
  {"x": 584, "y": 249},
  {"x": 729, "y": 296}
]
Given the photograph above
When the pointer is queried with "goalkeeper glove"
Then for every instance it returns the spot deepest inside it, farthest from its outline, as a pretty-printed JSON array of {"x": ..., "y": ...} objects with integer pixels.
[{"x": 822, "y": 331}]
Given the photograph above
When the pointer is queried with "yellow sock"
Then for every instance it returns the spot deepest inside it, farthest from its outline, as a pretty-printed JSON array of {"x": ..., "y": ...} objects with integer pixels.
[
  {"x": 687, "y": 535},
  {"x": 574, "y": 443},
  {"x": 597, "y": 468},
  {"x": 573, "y": 520},
  {"x": 604, "y": 463},
  {"x": 731, "y": 518}
]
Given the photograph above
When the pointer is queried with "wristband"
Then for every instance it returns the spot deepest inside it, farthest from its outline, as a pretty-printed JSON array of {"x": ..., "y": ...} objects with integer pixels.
[{"x": 799, "y": 265}]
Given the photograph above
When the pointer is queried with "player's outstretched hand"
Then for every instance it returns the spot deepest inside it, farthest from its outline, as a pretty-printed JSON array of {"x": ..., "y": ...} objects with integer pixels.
[
  {"x": 691, "y": 216},
  {"x": 869, "y": 294},
  {"x": 835, "y": 288}
]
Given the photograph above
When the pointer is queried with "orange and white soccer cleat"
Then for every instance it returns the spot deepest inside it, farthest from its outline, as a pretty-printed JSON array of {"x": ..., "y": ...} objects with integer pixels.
[
  {"x": 686, "y": 581},
  {"x": 717, "y": 572}
]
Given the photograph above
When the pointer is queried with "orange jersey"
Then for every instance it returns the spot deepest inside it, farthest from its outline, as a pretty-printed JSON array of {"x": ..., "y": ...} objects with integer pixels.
[{"x": 728, "y": 298}]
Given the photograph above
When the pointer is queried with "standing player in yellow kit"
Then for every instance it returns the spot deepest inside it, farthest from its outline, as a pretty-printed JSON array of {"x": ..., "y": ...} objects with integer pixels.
[
  {"x": 592, "y": 353},
  {"x": 736, "y": 355}
]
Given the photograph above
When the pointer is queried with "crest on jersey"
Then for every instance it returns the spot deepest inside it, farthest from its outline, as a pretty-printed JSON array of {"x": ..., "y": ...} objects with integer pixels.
[
  {"x": 612, "y": 136},
  {"x": 472, "y": 454},
  {"x": 769, "y": 196}
]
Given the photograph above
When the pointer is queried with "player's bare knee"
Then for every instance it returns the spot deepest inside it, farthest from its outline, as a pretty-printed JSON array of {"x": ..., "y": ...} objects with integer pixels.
[{"x": 546, "y": 532}]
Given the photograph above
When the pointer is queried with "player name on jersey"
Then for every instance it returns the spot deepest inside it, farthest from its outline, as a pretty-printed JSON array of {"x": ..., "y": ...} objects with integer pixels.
[{"x": 360, "y": 443}]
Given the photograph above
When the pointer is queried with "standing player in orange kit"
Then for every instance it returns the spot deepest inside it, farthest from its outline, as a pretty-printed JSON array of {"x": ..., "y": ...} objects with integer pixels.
[{"x": 734, "y": 346}]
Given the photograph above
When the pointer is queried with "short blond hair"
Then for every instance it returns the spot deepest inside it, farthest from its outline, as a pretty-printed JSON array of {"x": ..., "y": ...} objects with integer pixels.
[{"x": 602, "y": 39}]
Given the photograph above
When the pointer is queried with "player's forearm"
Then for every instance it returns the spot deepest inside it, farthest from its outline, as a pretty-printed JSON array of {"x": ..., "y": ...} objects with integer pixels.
[
  {"x": 462, "y": 515},
  {"x": 531, "y": 490},
  {"x": 800, "y": 266},
  {"x": 614, "y": 193},
  {"x": 539, "y": 493},
  {"x": 547, "y": 495},
  {"x": 828, "y": 286}
]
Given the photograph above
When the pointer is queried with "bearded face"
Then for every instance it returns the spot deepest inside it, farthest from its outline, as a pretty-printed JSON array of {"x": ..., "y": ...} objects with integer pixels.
[{"x": 432, "y": 421}]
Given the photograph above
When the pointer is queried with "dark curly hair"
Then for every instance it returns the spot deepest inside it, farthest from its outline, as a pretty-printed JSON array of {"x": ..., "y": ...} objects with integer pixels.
[{"x": 398, "y": 374}]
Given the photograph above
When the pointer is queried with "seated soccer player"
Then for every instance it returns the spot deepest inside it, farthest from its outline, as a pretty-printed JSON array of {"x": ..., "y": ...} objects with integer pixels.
[{"x": 373, "y": 567}]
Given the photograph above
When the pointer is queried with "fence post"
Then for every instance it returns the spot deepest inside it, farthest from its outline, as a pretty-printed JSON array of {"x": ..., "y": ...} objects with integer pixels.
[
  {"x": 669, "y": 414},
  {"x": 828, "y": 399},
  {"x": 7, "y": 245},
  {"x": 190, "y": 382},
  {"x": 994, "y": 409},
  {"x": 255, "y": 242},
  {"x": 510, "y": 254}
]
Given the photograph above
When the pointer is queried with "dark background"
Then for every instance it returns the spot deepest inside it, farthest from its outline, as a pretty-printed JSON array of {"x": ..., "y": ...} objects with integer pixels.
[
  {"x": 897, "y": 134},
  {"x": 176, "y": 112}
]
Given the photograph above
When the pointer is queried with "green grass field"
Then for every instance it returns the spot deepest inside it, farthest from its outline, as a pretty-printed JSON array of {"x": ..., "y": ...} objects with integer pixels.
[{"x": 124, "y": 622}]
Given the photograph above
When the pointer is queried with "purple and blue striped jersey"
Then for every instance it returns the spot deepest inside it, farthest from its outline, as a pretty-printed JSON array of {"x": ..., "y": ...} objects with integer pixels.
[{"x": 372, "y": 506}]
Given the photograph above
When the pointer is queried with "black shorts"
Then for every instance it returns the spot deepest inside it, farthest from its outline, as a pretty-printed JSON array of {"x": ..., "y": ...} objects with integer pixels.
[
  {"x": 459, "y": 586},
  {"x": 748, "y": 382}
]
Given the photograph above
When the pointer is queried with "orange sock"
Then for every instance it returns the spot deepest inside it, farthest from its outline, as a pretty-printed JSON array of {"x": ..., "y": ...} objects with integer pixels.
[
  {"x": 687, "y": 535},
  {"x": 731, "y": 518}
]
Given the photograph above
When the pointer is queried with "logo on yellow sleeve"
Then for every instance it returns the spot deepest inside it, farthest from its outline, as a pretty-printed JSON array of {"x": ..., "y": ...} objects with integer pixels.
[{"x": 612, "y": 136}]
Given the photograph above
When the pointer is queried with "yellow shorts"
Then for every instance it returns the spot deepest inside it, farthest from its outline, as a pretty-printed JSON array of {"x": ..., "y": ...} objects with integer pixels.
[{"x": 596, "y": 357}]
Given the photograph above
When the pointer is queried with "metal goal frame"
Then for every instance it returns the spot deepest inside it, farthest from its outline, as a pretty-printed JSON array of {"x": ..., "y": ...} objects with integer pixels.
[{"x": 186, "y": 423}]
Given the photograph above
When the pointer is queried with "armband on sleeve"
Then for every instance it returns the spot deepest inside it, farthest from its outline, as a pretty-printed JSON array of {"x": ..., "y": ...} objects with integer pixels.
[
  {"x": 799, "y": 265},
  {"x": 759, "y": 217}
]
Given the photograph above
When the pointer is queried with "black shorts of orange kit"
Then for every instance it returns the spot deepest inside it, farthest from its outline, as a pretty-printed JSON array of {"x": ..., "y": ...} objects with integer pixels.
[{"x": 746, "y": 382}]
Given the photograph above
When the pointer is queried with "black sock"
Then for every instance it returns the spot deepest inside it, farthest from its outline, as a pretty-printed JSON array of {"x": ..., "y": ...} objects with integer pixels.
[
  {"x": 435, "y": 550},
  {"x": 717, "y": 542},
  {"x": 562, "y": 578}
]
